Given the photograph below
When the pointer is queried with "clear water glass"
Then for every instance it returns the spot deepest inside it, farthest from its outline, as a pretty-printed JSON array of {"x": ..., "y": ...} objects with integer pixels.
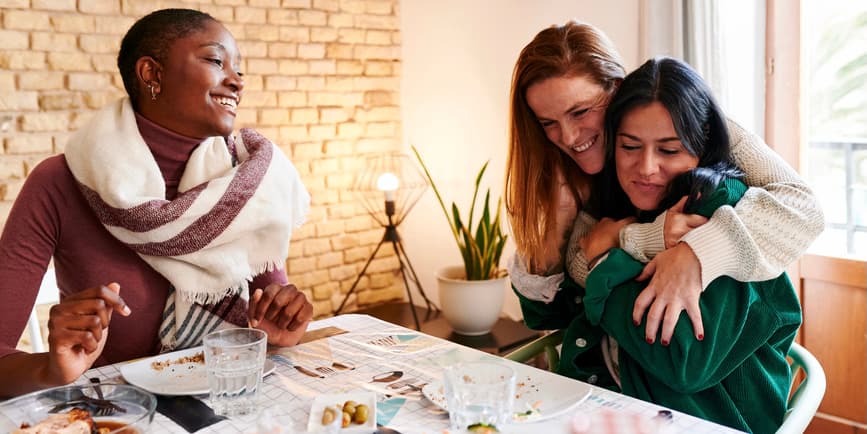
[
  {"x": 235, "y": 359},
  {"x": 479, "y": 392}
]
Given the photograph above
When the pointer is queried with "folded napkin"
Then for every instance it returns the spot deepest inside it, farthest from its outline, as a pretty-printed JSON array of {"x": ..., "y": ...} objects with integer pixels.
[{"x": 189, "y": 412}]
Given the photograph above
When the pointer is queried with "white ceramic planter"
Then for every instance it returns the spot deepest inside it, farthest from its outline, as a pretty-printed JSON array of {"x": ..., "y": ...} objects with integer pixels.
[{"x": 471, "y": 307}]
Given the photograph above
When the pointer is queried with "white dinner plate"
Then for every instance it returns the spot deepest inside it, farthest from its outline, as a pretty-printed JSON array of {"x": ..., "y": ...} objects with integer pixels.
[
  {"x": 537, "y": 397},
  {"x": 178, "y": 376}
]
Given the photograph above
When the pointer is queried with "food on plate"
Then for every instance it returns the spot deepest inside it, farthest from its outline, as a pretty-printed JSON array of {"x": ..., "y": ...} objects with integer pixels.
[
  {"x": 159, "y": 365},
  {"x": 75, "y": 421},
  {"x": 482, "y": 428},
  {"x": 350, "y": 412}
]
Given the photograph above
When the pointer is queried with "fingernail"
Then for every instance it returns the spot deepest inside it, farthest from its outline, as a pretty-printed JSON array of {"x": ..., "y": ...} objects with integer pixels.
[
  {"x": 254, "y": 322},
  {"x": 637, "y": 323},
  {"x": 650, "y": 341},
  {"x": 126, "y": 310},
  {"x": 664, "y": 343},
  {"x": 701, "y": 337}
]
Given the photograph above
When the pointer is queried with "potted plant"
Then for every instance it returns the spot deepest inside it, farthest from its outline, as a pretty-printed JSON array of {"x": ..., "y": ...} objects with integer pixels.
[{"x": 471, "y": 296}]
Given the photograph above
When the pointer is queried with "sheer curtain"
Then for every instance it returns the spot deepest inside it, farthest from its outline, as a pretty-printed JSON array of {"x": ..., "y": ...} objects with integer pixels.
[{"x": 724, "y": 40}]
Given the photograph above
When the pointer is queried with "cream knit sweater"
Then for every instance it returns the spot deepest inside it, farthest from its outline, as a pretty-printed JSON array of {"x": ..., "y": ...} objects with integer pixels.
[{"x": 769, "y": 228}]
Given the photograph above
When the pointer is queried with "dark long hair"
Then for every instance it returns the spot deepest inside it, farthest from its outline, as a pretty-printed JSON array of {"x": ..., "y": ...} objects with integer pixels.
[
  {"x": 152, "y": 35},
  {"x": 698, "y": 120}
]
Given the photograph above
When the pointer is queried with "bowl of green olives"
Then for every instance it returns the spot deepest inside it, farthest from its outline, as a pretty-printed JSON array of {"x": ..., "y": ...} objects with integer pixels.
[{"x": 353, "y": 412}]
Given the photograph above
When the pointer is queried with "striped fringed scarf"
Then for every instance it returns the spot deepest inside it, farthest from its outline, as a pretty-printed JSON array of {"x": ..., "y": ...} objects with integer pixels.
[{"x": 227, "y": 224}]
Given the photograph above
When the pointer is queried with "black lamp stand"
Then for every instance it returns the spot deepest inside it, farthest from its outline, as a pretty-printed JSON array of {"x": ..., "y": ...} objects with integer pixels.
[{"x": 392, "y": 236}]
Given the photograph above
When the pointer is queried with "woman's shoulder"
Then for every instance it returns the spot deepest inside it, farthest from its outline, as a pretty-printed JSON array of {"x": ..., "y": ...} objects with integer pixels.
[{"x": 741, "y": 137}]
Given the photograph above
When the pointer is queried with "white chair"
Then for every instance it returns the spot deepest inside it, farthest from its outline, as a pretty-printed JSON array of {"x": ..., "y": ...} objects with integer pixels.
[
  {"x": 48, "y": 294},
  {"x": 807, "y": 397}
]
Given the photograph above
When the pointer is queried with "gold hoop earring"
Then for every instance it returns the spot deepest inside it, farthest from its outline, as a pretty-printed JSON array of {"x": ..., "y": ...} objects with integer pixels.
[{"x": 153, "y": 91}]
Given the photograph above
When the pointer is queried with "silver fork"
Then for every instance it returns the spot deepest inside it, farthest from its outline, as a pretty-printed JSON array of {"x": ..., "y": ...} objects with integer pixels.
[
  {"x": 102, "y": 406},
  {"x": 325, "y": 370}
]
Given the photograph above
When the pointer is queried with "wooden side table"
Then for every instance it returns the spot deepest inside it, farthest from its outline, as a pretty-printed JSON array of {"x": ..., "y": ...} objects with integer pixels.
[{"x": 505, "y": 336}]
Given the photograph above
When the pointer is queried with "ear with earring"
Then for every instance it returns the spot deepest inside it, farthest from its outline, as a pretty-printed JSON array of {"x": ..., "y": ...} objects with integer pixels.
[{"x": 153, "y": 90}]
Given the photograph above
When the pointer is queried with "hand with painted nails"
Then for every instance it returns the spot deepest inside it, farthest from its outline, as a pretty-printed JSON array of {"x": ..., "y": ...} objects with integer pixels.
[
  {"x": 78, "y": 329},
  {"x": 675, "y": 285},
  {"x": 282, "y": 311}
]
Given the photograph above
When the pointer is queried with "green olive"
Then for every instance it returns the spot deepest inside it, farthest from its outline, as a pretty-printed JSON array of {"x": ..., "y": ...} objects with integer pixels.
[
  {"x": 349, "y": 407},
  {"x": 328, "y": 415},
  {"x": 361, "y": 413},
  {"x": 347, "y": 419}
]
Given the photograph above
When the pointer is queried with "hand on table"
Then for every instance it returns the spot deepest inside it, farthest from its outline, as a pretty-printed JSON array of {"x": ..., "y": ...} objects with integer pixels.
[
  {"x": 678, "y": 223},
  {"x": 675, "y": 286},
  {"x": 78, "y": 329},
  {"x": 282, "y": 311}
]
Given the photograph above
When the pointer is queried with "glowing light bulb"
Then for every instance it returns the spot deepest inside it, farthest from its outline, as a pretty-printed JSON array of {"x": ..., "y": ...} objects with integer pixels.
[{"x": 388, "y": 183}]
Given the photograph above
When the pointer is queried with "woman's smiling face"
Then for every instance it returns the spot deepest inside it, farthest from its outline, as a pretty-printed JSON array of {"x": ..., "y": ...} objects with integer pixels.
[
  {"x": 649, "y": 154},
  {"x": 200, "y": 83},
  {"x": 571, "y": 111}
]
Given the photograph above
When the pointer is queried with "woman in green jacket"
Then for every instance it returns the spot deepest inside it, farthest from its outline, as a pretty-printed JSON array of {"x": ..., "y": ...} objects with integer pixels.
[{"x": 667, "y": 145}]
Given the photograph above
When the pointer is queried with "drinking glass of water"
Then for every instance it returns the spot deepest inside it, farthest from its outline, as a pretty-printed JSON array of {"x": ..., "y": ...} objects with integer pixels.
[
  {"x": 234, "y": 360},
  {"x": 479, "y": 392}
]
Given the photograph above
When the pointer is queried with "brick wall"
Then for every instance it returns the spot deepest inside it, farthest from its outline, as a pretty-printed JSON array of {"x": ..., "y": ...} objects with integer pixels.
[{"x": 322, "y": 81}]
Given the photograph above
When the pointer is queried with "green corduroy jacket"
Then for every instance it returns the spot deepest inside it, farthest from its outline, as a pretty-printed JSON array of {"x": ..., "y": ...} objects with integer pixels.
[{"x": 737, "y": 376}]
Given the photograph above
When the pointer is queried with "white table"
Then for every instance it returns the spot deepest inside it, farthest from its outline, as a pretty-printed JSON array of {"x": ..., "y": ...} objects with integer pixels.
[{"x": 369, "y": 347}]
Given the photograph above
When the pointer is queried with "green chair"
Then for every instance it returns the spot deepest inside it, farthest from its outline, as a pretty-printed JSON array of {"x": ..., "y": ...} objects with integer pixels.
[{"x": 546, "y": 344}]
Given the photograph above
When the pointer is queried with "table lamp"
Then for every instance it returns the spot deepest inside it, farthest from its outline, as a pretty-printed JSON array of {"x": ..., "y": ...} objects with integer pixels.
[{"x": 389, "y": 186}]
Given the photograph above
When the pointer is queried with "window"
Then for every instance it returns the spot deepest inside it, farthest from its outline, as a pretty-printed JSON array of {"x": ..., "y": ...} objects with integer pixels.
[{"x": 835, "y": 101}]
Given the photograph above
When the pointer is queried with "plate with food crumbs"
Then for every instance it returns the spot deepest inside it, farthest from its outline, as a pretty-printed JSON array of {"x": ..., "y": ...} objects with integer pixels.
[
  {"x": 353, "y": 412},
  {"x": 538, "y": 395},
  {"x": 177, "y": 373}
]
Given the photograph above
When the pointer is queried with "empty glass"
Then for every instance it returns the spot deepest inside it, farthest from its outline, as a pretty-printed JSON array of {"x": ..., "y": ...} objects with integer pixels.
[{"x": 479, "y": 392}]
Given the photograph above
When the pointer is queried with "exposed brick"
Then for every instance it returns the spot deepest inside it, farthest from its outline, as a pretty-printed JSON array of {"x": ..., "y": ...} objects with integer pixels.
[
  {"x": 351, "y": 36},
  {"x": 29, "y": 144},
  {"x": 334, "y": 148},
  {"x": 343, "y": 272},
  {"x": 325, "y": 290},
  {"x": 104, "y": 62},
  {"x": 373, "y": 67},
  {"x": 349, "y": 130},
  {"x": 321, "y": 132},
  {"x": 89, "y": 81},
  {"x": 340, "y": 20},
  {"x": 292, "y": 99},
  {"x": 349, "y": 67},
  {"x": 333, "y": 114},
  {"x": 280, "y": 83},
  {"x": 32, "y": 122},
  {"x": 22, "y": 60},
  {"x": 221, "y": 13},
  {"x": 396, "y": 38},
  {"x": 41, "y": 80},
  {"x": 70, "y": 62},
  {"x": 388, "y": 22},
  {"x": 25, "y": 20},
  {"x": 273, "y": 116},
  {"x": 305, "y": 116},
  {"x": 96, "y": 100},
  {"x": 352, "y": 6},
  {"x": 18, "y": 101},
  {"x": 375, "y": 145},
  {"x": 293, "y": 134},
  {"x": 260, "y": 98},
  {"x": 327, "y": 5},
  {"x": 311, "y": 51},
  {"x": 339, "y": 51},
  {"x": 14, "y": 4},
  {"x": 60, "y": 101},
  {"x": 265, "y": 3},
  {"x": 323, "y": 67},
  {"x": 250, "y": 15},
  {"x": 282, "y": 16},
  {"x": 301, "y": 265},
  {"x": 378, "y": 7},
  {"x": 388, "y": 113},
  {"x": 311, "y": 83},
  {"x": 378, "y": 37},
  {"x": 7, "y": 81},
  {"x": 113, "y": 25},
  {"x": 384, "y": 280},
  {"x": 99, "y": 44},
  {"x": 262, "y": 66},
  {"x": 320, "y": 308},
  {"x": 294, "y": 34},
  {"x": 261, "y": 32},
  {"x": 379, "y": 98},
  {"x": 251, "y": 49},
  {"x": 99, "y": 7},
  {"x": 230, "y": 2},
  {"x": 335, "y": 98},
  {"x": 312, "y": 18},
  {"x": 381, "y": 129},
  {"x": 376, "y": 52},
  {"x": 323, "y": 34},
  {"x": 11, "y": 167},
  {"x": 73, "y": 23},
  {"x": 60, "y": 141},
  {"x": 282, "y": 50},
  {"x": 293, "y": 67},
  {"x": 14, "y": 40},
  {"x": 296, "y": 4}
]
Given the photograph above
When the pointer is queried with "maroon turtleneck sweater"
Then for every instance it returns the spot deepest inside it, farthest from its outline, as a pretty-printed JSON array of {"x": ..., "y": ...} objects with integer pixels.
[{"x": 51, "y": 218}]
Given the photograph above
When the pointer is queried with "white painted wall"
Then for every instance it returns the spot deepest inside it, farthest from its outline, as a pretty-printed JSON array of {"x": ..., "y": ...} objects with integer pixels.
[{"x": 458, "y": 57}]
